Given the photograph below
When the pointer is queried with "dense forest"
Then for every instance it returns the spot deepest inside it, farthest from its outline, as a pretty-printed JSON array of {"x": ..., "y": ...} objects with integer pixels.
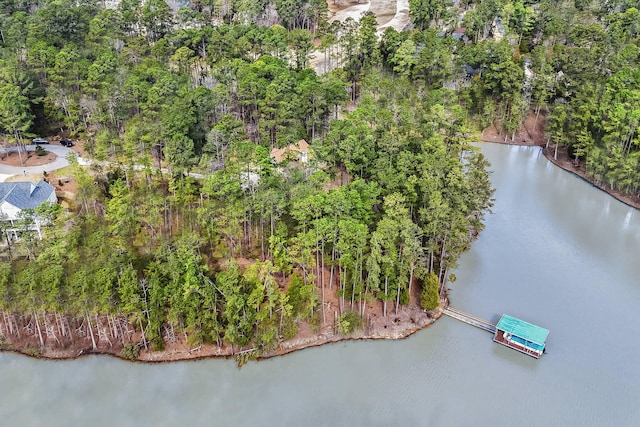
[
  {"x": 186, "y": 226},
  {"x": 581, "y": 68}
]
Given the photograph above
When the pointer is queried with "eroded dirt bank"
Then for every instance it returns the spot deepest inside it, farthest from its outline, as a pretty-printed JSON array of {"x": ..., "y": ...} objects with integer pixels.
[
  {"x": 531, "y": 133},
  {"x": 21, "y": 335}
]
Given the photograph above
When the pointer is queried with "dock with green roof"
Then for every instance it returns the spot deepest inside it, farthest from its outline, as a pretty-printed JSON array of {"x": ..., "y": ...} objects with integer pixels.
[
  {"x": 519, "y": 335},
  {"x": 514, "y": 333}
]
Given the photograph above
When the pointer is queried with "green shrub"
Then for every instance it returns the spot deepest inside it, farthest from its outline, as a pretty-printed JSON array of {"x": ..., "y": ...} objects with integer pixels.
[
  {"x": 243, "y": 357},
  {"x": 130, "y": 351},
  {"x": 404, "y": 296},
  {"x": 302, "y": 298},
  {"x": 289, "y": 329},
  {"x": 349, "y": 322},
  {"x": 429, "y": 296},
  {"x": 157, "y": 343},
  {"x": 40, "y": 151},
  {"x": 33, "y": 351}
]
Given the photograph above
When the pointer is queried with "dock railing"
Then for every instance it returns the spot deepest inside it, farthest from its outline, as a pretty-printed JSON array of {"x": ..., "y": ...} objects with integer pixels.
[{"x": 470, "y": 319}]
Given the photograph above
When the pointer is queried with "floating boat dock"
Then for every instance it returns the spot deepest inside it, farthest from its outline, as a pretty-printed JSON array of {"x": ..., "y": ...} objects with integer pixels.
[
  {"x": 510, "y": 331},
  {"x": 520, "y": 335}
]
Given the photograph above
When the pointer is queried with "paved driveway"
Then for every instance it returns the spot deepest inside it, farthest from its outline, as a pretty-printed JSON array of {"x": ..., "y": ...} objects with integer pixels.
[{"x": 59, "y": 163}]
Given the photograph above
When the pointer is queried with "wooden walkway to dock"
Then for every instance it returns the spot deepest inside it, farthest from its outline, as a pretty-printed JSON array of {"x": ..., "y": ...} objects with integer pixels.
[{"x": 470, "y": 319}]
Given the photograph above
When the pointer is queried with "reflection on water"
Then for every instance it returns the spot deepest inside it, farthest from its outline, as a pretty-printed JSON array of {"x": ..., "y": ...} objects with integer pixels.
[
  {"x": 627, "y": 219},
  {"x": 556, "y": 252}
]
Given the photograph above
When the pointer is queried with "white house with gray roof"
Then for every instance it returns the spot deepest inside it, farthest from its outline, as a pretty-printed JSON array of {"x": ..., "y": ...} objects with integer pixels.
[{"x": 17, "y": 196}]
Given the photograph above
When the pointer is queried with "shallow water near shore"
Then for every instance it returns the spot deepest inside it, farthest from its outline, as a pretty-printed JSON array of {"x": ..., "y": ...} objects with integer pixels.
[{"x": 556, "y": 252}]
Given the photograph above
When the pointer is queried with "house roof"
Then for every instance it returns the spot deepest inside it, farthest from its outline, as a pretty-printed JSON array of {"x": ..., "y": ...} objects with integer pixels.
[
  {"x": 25, "y": 195},
  {"x": 522, "y": 329},
  {"x": 280, "y": 154}
]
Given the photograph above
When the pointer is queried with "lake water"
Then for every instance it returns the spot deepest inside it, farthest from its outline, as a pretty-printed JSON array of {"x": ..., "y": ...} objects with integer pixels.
[{"x": 556, "y": 252}]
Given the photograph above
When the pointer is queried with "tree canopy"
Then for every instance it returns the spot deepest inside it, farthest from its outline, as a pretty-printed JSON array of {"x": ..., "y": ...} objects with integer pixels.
[{"x": 186, "y": 227}]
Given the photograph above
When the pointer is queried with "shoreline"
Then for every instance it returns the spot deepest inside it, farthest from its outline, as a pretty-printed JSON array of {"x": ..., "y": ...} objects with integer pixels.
[
  {"x": 531, "y": 134},
  {"x": 627, "y": 199},
  {"x": 409, "y": 320},
  {"x": 178, "y": 352},
  {"x": 568, "y": 166}
]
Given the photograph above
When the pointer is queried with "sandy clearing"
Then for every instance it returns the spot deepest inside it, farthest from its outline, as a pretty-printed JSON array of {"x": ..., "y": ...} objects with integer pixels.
[
  {"x": 400, "y": 20},
  {"x": 354, "y": 12},
  {"x": 389, "y": 13},
  {"x": 384, "y": 10}
]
